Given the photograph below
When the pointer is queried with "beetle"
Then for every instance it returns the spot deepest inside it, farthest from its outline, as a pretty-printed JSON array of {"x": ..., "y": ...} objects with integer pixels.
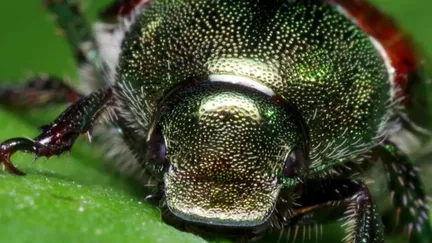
[{"x": 251, "y": 115}]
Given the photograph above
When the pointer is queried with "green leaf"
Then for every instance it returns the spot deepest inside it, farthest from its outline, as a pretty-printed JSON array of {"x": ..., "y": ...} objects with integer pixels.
[{"x": 74, "y": 198}]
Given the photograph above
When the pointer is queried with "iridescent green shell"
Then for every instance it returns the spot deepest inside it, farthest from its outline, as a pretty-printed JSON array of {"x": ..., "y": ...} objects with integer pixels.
[{"x": 306, "y": 51}]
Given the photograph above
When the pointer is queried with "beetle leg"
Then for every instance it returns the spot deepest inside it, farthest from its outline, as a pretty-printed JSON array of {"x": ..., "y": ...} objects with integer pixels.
[
  {"x": 38, "y": 91},
  {"x": 407, "y": 193},
  {"x": 121, "y": 8},
  {"x": 78, "y": 31},
  {"x": 59, "y": 136},
  {"x": 327, "y": 200}
]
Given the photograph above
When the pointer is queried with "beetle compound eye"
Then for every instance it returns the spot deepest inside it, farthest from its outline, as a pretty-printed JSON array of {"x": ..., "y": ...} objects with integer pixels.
[
  {"x": 294, "y": 164},
  {"x": 156, "y": 152},
  {"x": 289, "y": 167}
]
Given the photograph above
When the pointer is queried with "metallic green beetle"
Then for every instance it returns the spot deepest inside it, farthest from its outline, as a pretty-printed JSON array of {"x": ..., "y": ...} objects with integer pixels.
[{"x": 249, "y": 115}]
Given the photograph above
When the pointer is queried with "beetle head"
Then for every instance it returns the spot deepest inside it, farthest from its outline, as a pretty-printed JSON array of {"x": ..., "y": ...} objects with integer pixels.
[{"x": 227, "y": 150}]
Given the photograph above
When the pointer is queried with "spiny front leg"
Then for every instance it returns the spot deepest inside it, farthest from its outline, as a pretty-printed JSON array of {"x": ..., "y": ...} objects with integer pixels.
[
  {"x": 326, "y": 200},
  {"x": 60, "y": 135},
  {"x": 407, "y": 193},
  {"x": 38, "y": 91}
]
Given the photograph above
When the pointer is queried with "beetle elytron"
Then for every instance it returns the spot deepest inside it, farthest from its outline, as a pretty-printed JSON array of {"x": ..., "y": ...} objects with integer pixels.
[{"x": 250, "y": 115}]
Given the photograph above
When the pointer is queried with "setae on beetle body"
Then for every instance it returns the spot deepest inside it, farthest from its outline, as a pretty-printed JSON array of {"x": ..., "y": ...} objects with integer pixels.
[{"x": 247, "y": 116}]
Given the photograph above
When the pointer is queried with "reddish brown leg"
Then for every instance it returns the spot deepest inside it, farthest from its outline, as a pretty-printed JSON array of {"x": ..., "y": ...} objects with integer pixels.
[
  {"x": 411, "y": 210},
  {"x": 60, "y": 135},
  {"x": 38, "y": 91},
  {"x": 121, "y": 8},
  {"x": 325, "y": 200}
]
